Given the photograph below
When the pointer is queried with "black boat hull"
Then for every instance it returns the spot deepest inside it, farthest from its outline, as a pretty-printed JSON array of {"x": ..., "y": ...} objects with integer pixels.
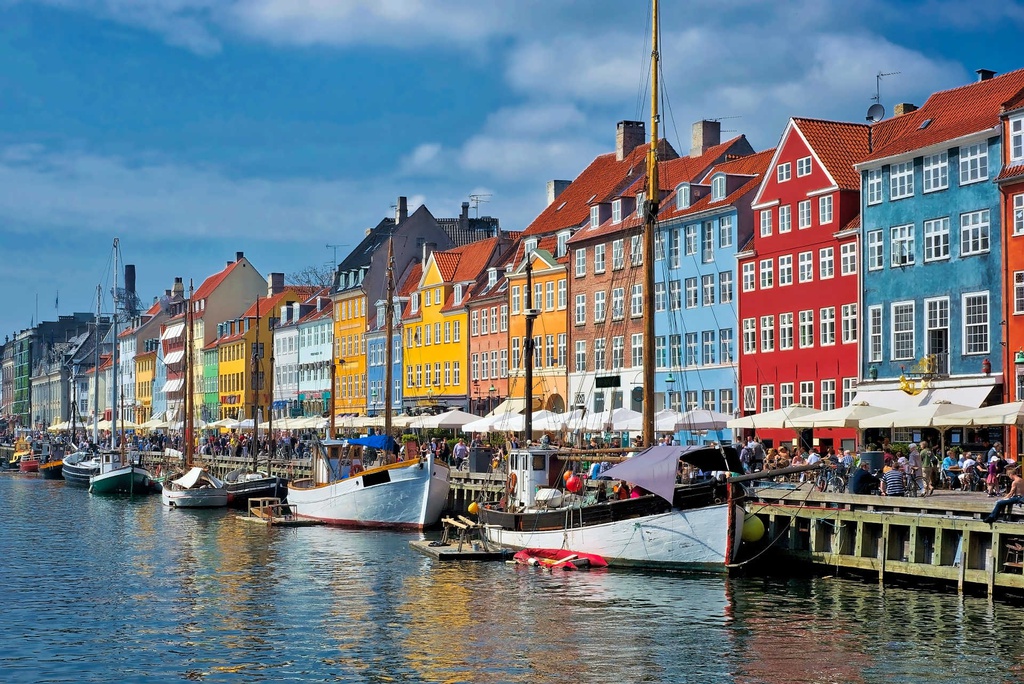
[
  {"x": 239, "y": 493},
  {"x": 53, "y": 470},
  {"x": 78, "y": 476}
]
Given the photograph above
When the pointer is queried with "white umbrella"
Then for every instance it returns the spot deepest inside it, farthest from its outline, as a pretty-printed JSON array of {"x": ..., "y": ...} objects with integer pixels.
[
  {"x": 919, "y": 416},
  {"x": 617, "y": 419},
  {"x": 223, "y": 423},
  {"x": 453, "y": 420},
  {"x": 771, "y": 420},
  {"x": 842, "y": 417},
  {"x": 999, "y": 414},
  {"x": 479, "y": 425},
  {"x": 703, "y": 419}
]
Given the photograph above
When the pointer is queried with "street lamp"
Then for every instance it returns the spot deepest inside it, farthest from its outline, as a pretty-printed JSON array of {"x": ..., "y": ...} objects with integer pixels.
[
  {"x": 669, "y": 381},
  {"x": 373, "y": 400},
  {"x": 492, "y": 394},
  {"x": 476, "y": 393}
]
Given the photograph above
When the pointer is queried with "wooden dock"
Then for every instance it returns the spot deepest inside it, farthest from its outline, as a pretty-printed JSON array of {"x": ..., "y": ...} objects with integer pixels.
[
  {"x": 463, "y": 539},
  {"x": 940, "y": 538},
  {"x": 271, "y": 512}
]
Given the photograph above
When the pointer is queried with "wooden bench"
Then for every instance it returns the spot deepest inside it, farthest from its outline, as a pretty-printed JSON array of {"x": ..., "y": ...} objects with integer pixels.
[{"x": 468, "y": 532}]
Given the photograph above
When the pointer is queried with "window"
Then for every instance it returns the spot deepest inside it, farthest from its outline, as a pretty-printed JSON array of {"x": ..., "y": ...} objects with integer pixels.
[
  {"x": 673, "y": 249},
  {"x": 767, "y": 333},
  {"x": 936, "y": 322},
  {"x": 725, "y": 350},
  {"x": 848, "y": 258},
  {"x": 617, "y": 211},
  {"x": 562, "y": 245},
  {"x": 1018, "y": 214},
  {"x": 618, "y": 351},
  {"x": 447, "y": 333},
  {"x": 581, "y": 356},
  {"x": 874, "y": 333},
  {"x": 515, "y": 352},
  {"x": 806, "y": 329},
  {"x": 691, "y": 349},
  {"x": 901, "y": 245},
  {"x": 549, "y": 350},
  {"x": 659, "y": 246},
  {"x": 828, "y": 395},
  {"x": 599, "y": 306},
  {"x": 707, "y": 251},
  {"x": 785, "y": 394},
  {"x": 973, "y": 163},
  {"x": 1018, "y": 292},
  {"x": 636, "y": 300},
  {"x": 806, "y": 267},
  {"x": 786, "y": 270},
  {"x": 636, "y": 349},
  {"x": 901, "y": 180},
  {"x": 707, "y": 400},
  {"x": 766, "y": 222},
  {"x": 974, "y": 233},
  {"x": 750, "y": 398},
  {"x": 581, "y": 262},
  {"x": 725, "y": 231},
  {"x": 826, "y": 263},
  {"x": 483, "y": 323},
  {"x": 691, "y": 293},
  {"x": 767, "y": 398},
  {"x": 618, "y": 302},
  {"x": 675, "y": 295},
  {"x": 936, "y": 239},
  {"x": 786, "y": 330},
  {"x": 660, "y": 352},
  {"x": 749, "y": 335},
  {"x": 549, "y": 296},
  {"x": 827, "y": 328},
  {"x": 749, "y": 280},
  {"x": 595, "y": 216},
  {"x": 503, "y": 355},
  {"x": 825, "y": 209},
  {"x": 804, "y": 214},
  {"x": 494, "y": 319},
  {"x": 691, "y": 400},
  {"x": 976, "y": 325},
  {"x": 875, "y": 186},
  {"x": 708, "y": 289},
  {"x": 682, "y": 196},
  {"x": 725, "y": 401},
  {"x": 691, "y": 239},
  {"x": 636, "y": 250},
  {"x": 935, "y": 173},
  {"x": 675, "y": 351},
  {"x": 599, "y": 258},
  {"x": 659, "y": 296},
  {"x": 641, "y": 200},
  {"x": 725, "y": 287},
  {"x": 803, "y": 166},
  {"x": 1017, "y": 140},
  {"x": 718, "y": 187},
  {"x": 426, "y": 298},
  {"x": 849, "y": 323},
  {"x": 807, "y": 393},
  {"x": 783, "y": 172},
  {"x": 767, "y": 273},
  {"x": 785, "y": 219},
  {"x": 618, "y": 254},
  {"x": 581, "y": 309},
  {"x": 902, "y": 330}
]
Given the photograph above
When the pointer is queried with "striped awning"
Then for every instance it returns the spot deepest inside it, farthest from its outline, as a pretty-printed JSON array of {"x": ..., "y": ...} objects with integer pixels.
[
  {"x": 173, "y": 332},
  {"x": 174, "y": 357},
  {"x": 173, "y": 385}
]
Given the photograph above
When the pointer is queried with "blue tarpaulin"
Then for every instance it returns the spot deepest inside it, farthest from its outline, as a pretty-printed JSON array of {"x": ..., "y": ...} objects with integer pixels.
[{"x": 383, "y": 442}]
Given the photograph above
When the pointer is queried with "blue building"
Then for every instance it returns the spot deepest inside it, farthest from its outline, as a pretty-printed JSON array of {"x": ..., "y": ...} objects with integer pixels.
[
  {"x": 702, "y": 226},
  {"x": 376, "y": 349},
  {"x": 931, "y": 245}
]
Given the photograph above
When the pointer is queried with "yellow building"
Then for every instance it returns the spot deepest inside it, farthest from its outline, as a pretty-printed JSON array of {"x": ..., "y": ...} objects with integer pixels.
[
  {"x": 436, "y": 355},
  {"x": 350, "y": 349},
  {"x": 145, "y": 373}
]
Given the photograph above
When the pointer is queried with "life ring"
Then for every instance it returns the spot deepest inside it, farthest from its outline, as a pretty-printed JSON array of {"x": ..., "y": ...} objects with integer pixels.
[{"x": 510, "y": 485}]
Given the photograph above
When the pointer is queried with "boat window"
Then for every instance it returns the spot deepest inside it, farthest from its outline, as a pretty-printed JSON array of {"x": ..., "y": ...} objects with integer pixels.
[{"x": 539, "y": 461}]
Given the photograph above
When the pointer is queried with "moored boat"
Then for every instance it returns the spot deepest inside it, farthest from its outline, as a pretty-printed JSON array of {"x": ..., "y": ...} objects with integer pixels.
[
  {"x": 27, "y": 462},
  {"x": 194, "y": 489},
  {"x": 559, "y": 558},
  {"x": 243, "y": 484},
  {"x": 79, "y": 467},
  {"x": 116, "y": 477},
  {"x": 52, "y": 470}
]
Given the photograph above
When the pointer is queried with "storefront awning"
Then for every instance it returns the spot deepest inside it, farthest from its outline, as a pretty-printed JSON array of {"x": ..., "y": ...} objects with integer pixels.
[
  {"x": 173, "y": 332},
  {"x": 174, "y": 357},
  {"x": 173, "y": 385},
  {"x": 898, "y": 400},
  {"x": 510, "y": 406}
]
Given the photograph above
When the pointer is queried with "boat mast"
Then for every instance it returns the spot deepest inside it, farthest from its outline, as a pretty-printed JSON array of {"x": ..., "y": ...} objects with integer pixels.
[
  {"x": 389, "y": 330},
  {"x": 651, "y": 225},
  {"x": 113, "y": 359},
  {"x": 96, "y": 372},
  {"x": 189, "y": 399},
  {"x": 528, "y": 346},
  {"x": 255, "y": 380}
]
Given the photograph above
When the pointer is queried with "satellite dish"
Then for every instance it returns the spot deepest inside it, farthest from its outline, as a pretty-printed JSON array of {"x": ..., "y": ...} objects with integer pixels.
[{"x": 876, "y": 113}]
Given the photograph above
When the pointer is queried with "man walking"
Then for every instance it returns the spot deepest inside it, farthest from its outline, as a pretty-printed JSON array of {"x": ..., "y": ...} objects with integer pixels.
[
  {"x": 1014, "y": 496},
  {"x": 928, "y": 463}
]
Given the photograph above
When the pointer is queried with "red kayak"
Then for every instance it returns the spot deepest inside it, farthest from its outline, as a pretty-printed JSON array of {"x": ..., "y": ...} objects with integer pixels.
[{"x": 559, "y": 558}]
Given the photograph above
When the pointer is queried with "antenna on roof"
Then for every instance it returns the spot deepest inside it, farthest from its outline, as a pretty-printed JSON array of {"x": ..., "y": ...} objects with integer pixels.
[
  {"x": 723, "y": 118},
  {"x": 876, "y": 112},
  {"x": 475, "y": 201}
]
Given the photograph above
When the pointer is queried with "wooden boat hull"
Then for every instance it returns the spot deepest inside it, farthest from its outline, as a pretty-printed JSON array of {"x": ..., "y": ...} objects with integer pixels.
[
  {"x": 408, "y": 495},
  {"x": 28, "y": 465},
  {"x": 123, "y": 480},
  {"x": 52, "y": 470},
  {"x": 194, "y": 498},
  {"x": 79, "y": 474},
  {"x": 239, "y": 493}
]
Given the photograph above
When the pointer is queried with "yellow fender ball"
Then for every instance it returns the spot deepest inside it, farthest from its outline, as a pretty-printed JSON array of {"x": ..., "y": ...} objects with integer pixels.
[
  {"x": 753, "y": 528},
  {"x": 474, "y": 508}
]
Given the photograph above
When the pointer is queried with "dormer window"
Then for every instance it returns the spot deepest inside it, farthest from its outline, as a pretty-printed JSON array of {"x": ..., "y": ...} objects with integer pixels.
[
  {"x": 530, "y": 246},
  {"x": 718, "y": 188},
  {"x": 641, "y": 199},
  {"x": 492, "y": 277},
  {"x": 563, "y": 247},
  {"x": 414, "y": 302},
  {"x": 595, "y": 215},
  {"x": 617, "y": 211},
  {"x": 682, "y": 196},
  {"x": 457, "y": 291},
  {"x": 380, "y": 315}
]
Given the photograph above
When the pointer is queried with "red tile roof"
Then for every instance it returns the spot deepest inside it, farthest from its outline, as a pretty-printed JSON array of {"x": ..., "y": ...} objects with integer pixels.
[
  {"x": 267, "y": 306},
  {"x": 750, "y": 165},
  {"x": 705, "y": 203},
  {"x": 1011, "y": 172},
  {"x": 953, "y": 114},
  {"x": 838, "y": 145}
]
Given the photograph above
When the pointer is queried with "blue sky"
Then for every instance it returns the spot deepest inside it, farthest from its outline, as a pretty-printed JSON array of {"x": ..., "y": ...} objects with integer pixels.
[{"x": 193, "y": 129}]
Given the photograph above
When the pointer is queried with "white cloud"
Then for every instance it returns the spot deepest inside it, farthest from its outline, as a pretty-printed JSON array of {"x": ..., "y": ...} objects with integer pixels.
[{"x": 426, "y": 159}]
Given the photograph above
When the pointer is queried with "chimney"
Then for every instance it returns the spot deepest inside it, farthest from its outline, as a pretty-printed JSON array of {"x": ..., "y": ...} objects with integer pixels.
[
  {"x": 239, "y": 256},
  {"x": 428, "y": 249},
  {"x": 704, "y": 135},
  {"x": 984, "y": 74},
  {"x": 129, "y": 280},
  {"x": 179, "y": 288},
  {"x": 628, "y": 134},
  {"x": 464, "y": 217},
  {"x": 275, "y": 284},
  {"x": 401, "y": 210},
  {"x": 903, "y": 108},
  {"x": 555, "y": 188}
]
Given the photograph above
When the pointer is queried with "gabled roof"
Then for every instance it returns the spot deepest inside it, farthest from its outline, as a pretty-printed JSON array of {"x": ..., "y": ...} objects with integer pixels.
[
  {"x": 837, "y": 144},
  {"x": 750, "y": 165},
  {"x": 266, "y": 306},
  {"x": 211, "y": 282},
  {"x": 951, "y": 114},
  {"x": 464, "y": 263}
]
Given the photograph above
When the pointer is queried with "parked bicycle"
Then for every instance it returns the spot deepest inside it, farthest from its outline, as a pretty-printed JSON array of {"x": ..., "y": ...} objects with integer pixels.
[{"x": 831, "y": 479}]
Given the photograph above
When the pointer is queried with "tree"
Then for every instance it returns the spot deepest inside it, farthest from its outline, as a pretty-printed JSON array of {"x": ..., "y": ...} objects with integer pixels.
[{"x": 315, "y": 276}]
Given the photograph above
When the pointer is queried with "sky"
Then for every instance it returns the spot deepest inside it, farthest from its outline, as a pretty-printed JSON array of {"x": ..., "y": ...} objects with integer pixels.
[{"x": 193, "y": 129}]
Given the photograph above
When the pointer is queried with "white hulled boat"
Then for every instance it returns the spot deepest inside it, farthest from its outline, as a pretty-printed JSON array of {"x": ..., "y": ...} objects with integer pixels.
[{"x": 195, "y": 489}]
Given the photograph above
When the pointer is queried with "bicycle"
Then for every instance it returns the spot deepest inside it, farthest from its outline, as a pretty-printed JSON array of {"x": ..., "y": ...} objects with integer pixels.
[{"x": 831, "y": 479}]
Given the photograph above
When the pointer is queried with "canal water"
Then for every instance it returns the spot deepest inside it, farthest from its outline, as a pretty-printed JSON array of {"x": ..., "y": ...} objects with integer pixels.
[{"x": 101, "y": 590}]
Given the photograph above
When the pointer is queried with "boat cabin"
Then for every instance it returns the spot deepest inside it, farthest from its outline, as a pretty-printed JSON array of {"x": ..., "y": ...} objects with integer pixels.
[{"x": 534, "y": 469}]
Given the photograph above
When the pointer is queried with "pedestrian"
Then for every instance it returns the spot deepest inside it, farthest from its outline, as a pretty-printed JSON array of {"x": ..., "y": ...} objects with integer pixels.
[
  {"x": 460, "y": 452},
  {"x": 1014, "y": 496},
  {"x": 928, "y": 463}
]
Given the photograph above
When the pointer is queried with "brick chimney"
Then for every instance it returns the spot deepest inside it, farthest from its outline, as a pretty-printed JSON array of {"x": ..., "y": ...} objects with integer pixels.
[
  {"x": 401, "y": 210},
  {"x": 628, "y": 134},
  {"x": 704, "y": 135},
  {"x": 239, "y": 256},
  {"x": 903, "y": 108},
  {"x": 555, "y": 188},
  {"x": 275, "y": 284}
]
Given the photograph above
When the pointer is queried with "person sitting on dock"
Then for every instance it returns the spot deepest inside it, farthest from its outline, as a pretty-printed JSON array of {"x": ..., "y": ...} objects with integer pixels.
[
  {"x": 1014, "y": 496},
  {"x": 948, "y": 463},
  {"x": 863, "y": 481},
  {"x": 892, "y": 482}
]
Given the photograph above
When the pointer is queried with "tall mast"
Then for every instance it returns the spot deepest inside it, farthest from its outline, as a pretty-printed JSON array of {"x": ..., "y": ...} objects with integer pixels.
[
  {"x": 389, "y": 330},
  {"x": 113, "y": 359},
  {"x": 189, "y": 399},
  {"x": 651, "y": 225},
  {"x": 96, "y": 371},
  {"x": 528, "y": 346},
  {"x": 255, "y": 382}
]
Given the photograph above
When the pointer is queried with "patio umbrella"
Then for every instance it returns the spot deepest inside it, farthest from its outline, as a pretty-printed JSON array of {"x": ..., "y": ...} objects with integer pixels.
[
  {"x": 842, "y": 417},
  {"x": 999, "y": 414},
  {"x": 703, "y": 419},
  {"x": 771, "y": 420},
  {"x": 919, "y": 416}
]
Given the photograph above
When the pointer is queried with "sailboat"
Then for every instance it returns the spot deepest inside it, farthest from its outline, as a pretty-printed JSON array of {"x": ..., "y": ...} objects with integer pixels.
[
  {"x": 119, "y": 474},
  {"x": 83, "y": 464},
  {"x": 196, "y": 488},
  {"x": 409, "y": 494},
  {"x": 693, "y": 526}
]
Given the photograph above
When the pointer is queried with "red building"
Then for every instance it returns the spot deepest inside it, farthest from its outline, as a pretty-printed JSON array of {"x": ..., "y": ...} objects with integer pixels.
[
  {"x": 1011, "y": 189},
  {"x": 798, "y": 287}
]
